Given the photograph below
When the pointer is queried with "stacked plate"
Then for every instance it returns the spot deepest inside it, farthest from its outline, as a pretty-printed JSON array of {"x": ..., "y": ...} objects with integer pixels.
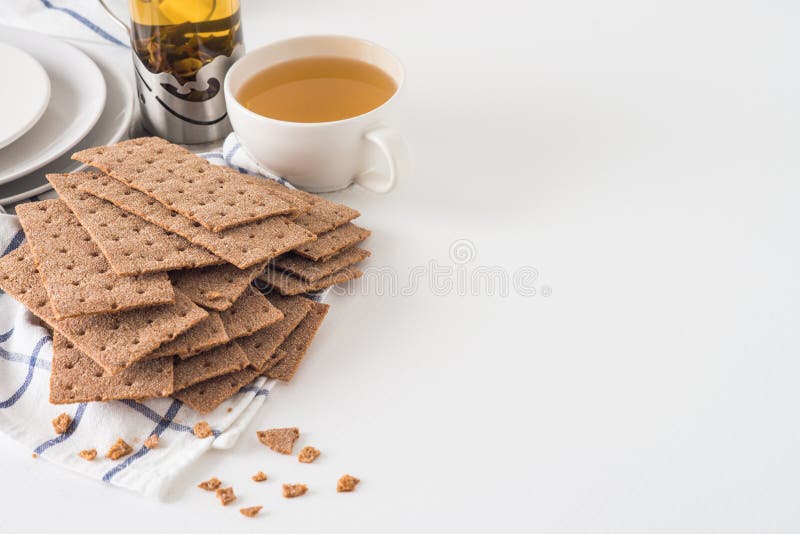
[{"x": 60, "y": 97}]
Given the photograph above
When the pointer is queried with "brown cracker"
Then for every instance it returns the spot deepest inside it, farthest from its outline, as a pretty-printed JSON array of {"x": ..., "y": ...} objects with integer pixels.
[
  {"x": 250, "y": 511},
  {"x": 77, "y": 378},
  {"x": 294, "y": 197},
  {"x": 346, "y": 483},
  {"x": 205, "y": 335},
  {"x": 311, "y": 271},
  {"x": 290, "y": 491},
  {"x": 113, "y": 341},
  {"x": 330, "y": 243},
  {"x": 308, "y": 454},
  {"x": 130, "y": 244},
  {"x": 202, "y": 430},
  {"x": 88, "y": 454},
  {"x": 216, "y": 288},
  {"x": 287, "y": 284},
  {"x": 209, "y": 394},
  {"x": 77, "y": 277},
  {"x": 292, "y": 351},
  {"x": 215, "y": 362},
  {"x": 212, "y": 484},
  {"x": 249, "y": 314},
  {"x": 242, "y": 246},
  {"x": 61, "y": 423},
  {"x": 185, "y": 182},
  {"x": 260, "y": 346},
  {"x": 324, "y": 215},
  {"x": 279, "y": 439},
  {"x": 119, "y": 449}
]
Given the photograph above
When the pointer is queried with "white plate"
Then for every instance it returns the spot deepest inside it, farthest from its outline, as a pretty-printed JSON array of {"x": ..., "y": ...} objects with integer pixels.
[
  {"x": 77, "y": 97},
  {"x": 23, "y": 96},
  {"x": 113, "y": 125}
]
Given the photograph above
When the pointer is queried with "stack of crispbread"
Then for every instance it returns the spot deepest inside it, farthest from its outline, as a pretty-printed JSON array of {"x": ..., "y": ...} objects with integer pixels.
[{"x": 143, "y": 270}]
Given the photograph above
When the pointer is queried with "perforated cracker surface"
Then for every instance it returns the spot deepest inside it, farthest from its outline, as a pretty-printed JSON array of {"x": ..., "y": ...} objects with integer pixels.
[
  {"x": 260, "y": 347},
  {"x": 129, "y": 243},
  {"x": 205, "y": 335},
  {"x": 77, "y": 277},
  {"x": 333, "y": 242},
  {"x": 216, "y": 288},
  {"x": 215, "y": 362},
  {"x": 293, "y": 350},
  {"x": 324, "y": 215},
  {"x": 242, "y": 246},
  {"x": 185, "y": 182},
  {"x": 312, "y": 271},
  {"x": 75, "y": 377},
  {"x": 209, "y": 394},
  {"x": 249, "y": 314},
  {"x": 287, "y": 284},
  {"x": 113, "y": 341}
]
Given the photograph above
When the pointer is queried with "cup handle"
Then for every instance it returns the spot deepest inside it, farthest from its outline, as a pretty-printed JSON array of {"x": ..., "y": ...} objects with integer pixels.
[{"x": 394, "y": 149}]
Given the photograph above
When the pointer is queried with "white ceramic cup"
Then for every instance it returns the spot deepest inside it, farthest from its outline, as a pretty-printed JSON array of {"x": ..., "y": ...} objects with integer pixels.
[{"x": 320, "y": 156}]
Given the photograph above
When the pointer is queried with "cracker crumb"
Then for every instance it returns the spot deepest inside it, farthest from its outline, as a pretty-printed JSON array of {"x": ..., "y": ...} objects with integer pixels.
[
  {"x": 119, "y": 449},
  {"x": 202, "y": 430},
  {"x": 151, "y": 442},
  {"x": 279, "y": 439},
  {"x": 34, "y": 456},
  {"x": 259, "y": 477},
  {"x": 230, "y": 410},
  {"x": 251, "y": 511},
  {"x": 226, "y": 496},
  {"x": 211, "y": 484},
  {"x": 291, "y": 491},
  {"x": 213, "y": 295},
  {"x": 308, "y": 455},
  {"x": 347, "y": 483},
  {"x": 61, "y": 423},
  {"x": 88, "y": 454}
]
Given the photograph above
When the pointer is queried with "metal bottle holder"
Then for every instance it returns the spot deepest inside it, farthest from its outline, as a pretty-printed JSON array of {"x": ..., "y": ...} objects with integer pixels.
[{"x": 193, "y": 112}]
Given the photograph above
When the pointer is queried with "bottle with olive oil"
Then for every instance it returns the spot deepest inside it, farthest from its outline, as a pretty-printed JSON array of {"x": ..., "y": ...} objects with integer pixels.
[{"x": 181, "y": 52}]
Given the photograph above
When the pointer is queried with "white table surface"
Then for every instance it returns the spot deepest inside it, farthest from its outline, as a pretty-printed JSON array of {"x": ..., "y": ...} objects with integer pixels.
[{"x": 643, "y": 158}]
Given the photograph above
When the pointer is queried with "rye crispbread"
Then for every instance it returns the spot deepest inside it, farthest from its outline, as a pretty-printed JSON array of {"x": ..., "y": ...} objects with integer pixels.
[
  {"x": 205, "y": 335},
  {"x": 77, "y": 277},
  {"x": 279, "y": 439},
  {"x": 216, "y": 288},
  {"x": 77, "y": 378},
  {"x": 308, "y": 454},
  {"x": 291, "y": 352},
  {"x": 324, "y": 215},
  {"x": 346, "y": 483},
  {"x": 331, "y": 243},
  {"x": 185, "y": 182},
  {"x": 311, "y": 271},
  {"x": 242, "y": 246},
  {"x": 260, "y": 347},
  {"x": 114, "y": 341},
  {"x": 290, "y": 491},
  {"x": 130, "y": 244},
  {"x": 207, "y": 395},
  {"x": 215, "y": 362},
  {"x": 61, "y": 423},
  {"x": 287, "y": 284},
  {"x": 249, "y": 314}
]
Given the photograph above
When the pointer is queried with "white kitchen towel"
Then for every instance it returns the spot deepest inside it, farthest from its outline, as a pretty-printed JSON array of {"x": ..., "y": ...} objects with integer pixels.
[{"x": 76, "y": 19}]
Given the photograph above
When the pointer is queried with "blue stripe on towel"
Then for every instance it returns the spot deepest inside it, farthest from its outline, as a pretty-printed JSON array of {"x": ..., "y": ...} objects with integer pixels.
[
  {"x": 12, "y": 400},
  {"x": 15, "y": 242},
  {"x": 160, "y": 427},
  {"x": 65, "y": 436},
  {"x": 6, "y": 336},
  {"x": 86, "y": 22}
]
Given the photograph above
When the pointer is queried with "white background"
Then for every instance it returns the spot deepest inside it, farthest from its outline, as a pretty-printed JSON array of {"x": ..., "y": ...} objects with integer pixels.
[{"x": 642, "y": 156}]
